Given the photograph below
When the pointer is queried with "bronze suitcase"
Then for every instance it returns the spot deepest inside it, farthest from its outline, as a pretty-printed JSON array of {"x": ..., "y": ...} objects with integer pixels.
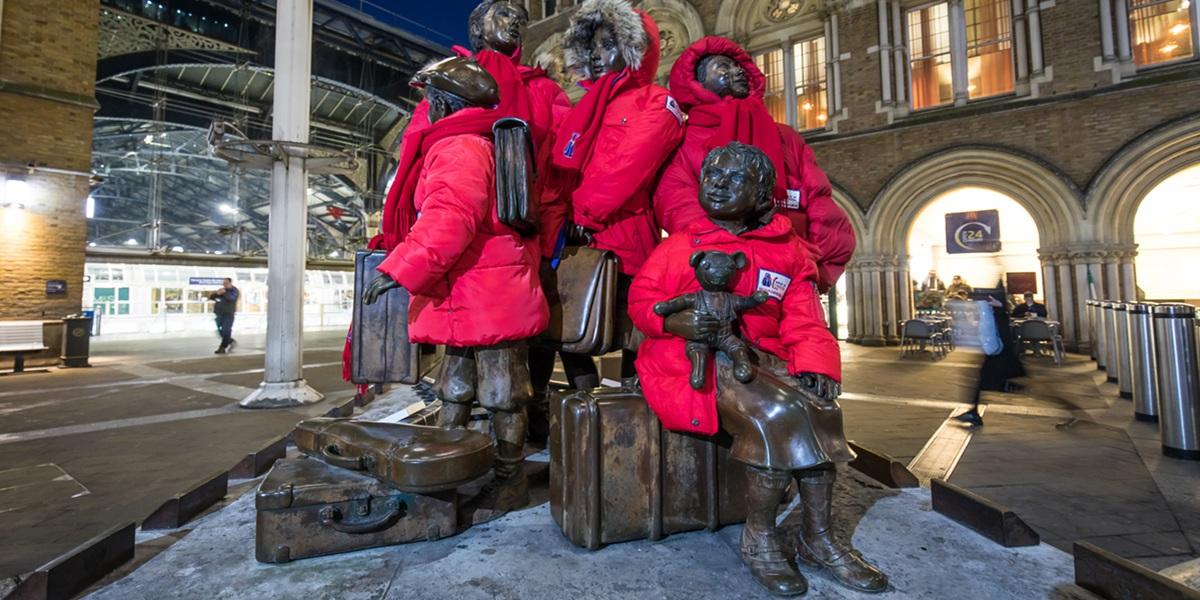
[
  {"x": 616, "y": 475},
  {"x": 308, "y": 508},
  {"x": 379, "y": 348},
  {"x": 413, "y": 458}
]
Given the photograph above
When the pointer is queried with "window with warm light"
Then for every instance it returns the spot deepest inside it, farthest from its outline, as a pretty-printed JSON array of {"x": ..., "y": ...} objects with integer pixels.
[
  {"x": 930, "y": 58},
  {"x": 985, "y": 60},
  {"x": 812, "y": 97},
  {"x": 989, "y": 48},
  {"x": 1161, "y": 31},
  {"x": 771, "y": 64}
]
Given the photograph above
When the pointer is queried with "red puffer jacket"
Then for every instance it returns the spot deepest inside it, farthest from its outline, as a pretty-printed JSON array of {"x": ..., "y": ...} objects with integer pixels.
[
  {"x": 474, "y": 281},
  {"x": 639, "y": 129},
  {"x": 790, "y": 325},
  {"x": 808, "y": 202}
]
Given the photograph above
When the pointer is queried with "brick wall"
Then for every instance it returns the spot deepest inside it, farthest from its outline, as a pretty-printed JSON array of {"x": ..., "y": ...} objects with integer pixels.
[{"x": 47, "y": 87}]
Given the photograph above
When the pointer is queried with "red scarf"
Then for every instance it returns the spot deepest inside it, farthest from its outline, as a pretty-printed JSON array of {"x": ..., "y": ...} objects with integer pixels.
[
  {"x": 399, "y": 211},
  {"x": 744, "y": 120},
  {"x": 578, "y": 131}
]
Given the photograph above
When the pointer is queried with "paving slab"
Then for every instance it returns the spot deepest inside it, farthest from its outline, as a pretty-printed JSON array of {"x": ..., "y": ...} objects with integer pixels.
[{"x": 524, "y": 556}]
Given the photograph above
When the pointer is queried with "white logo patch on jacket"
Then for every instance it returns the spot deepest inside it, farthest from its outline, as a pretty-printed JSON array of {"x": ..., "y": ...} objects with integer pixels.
[
  {"x": 673, "y": 106},
  {"x": 793, "y": 199},
  {"x": 774, "y": 284}
]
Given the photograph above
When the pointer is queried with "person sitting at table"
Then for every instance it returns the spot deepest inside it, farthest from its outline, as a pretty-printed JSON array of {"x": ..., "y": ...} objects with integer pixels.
[
  {"x": 958, "y": 289},
  {"x": 1029, "y": 309}
]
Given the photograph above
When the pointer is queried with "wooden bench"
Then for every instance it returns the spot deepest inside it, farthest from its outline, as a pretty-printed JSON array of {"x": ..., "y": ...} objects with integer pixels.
[{"x": 19, "y": 338}]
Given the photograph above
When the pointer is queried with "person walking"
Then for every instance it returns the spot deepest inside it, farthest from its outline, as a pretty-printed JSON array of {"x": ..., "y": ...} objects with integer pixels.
[
  {"x": 998, "y": 368},
  {"x": 225, "y": 307}
]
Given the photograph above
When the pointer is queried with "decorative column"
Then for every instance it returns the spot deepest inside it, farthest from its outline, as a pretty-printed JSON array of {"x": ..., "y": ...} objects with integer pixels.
[
  {"x": 1071, "y": 308},
  {"x": 1033, "y": 17},
  {"x": 1123, "y": 51},
  {"x": 1128, "y": 278},
  {"x": 958, "y": 46},
  {"x": 283, "y": 381},
  {"x": 1106, "y": 30},
  {"x": 876, "y": 294},
  {"x": 898, "y": 53},
  {"x": 891, "y": 329},
  {"x": 854, "y": 296},
  {"x": 1018, "y": 10},
  {"x": 885, "y": 47}
]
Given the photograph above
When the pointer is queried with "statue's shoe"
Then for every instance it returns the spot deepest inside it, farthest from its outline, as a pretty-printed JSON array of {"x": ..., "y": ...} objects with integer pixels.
[
  {"x": 496, "y": 499},
  {"x": 846, "y": 564},
  {"x": 763, "y": 553}
]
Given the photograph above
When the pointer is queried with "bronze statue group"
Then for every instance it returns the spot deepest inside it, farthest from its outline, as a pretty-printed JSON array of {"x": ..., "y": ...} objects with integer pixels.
[{"x": 754, "y": 238}]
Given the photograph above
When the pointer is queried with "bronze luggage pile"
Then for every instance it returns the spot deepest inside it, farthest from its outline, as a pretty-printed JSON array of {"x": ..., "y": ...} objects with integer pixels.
[
  {"x": 616, "y": 475},
  {"x": 363, "y": 485}
]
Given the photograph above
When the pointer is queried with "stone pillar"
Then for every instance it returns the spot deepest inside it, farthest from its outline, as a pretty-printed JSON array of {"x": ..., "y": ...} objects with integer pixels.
[
  {"x": 283, "y": 379},
  {"x": 854, "y": 301},
  {"x": 876, "y": 291},
  {"x": 891, "y": 330}
]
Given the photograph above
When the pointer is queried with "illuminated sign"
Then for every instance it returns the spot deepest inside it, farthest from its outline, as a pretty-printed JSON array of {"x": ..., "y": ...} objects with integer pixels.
[{"x": 976, "y": 231}]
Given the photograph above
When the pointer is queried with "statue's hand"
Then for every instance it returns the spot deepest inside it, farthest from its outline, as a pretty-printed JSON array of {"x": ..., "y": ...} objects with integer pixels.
[
  {"x": 692, "y": 326},
  {"x": 377, "y": 287},
  {"x": 821, "y": 386},
  {"x": 578, "y": 235}
]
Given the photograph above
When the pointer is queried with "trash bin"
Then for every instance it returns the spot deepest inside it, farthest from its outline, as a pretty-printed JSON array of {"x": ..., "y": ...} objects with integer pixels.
[
  {"x": 1145, "y": 380},
  {"x": 1124, "y": 354},
  {"x": 77, "y": 337},
  {"x": 1178, "y": 381},
  {"x": 1108, "y": 340}
]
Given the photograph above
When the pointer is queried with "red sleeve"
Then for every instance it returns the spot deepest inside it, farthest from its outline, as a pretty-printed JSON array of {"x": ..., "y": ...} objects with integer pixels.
[
  {"x": 457, "y": 182},
  {"x": 650, "y": 286},
  {"x": 676, "y": 199},
  {"x": 829, "y": 228},
  {"x": 630, "y": 150},
  {"x": 802, "y": 329}
]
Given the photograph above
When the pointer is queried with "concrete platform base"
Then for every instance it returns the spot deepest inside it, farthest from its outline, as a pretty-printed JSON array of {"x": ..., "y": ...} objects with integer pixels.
[
  {"x": 523, "y": 555},
  {"x": 282, "y": 395}
]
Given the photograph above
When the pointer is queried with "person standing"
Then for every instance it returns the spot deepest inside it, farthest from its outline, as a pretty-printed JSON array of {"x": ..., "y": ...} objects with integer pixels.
[{"x": 225, "y": 307}]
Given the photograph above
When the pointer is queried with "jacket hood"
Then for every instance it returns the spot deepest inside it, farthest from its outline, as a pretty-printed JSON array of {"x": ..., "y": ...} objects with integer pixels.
[
  {"x": 636, "y": 32},
  {"x": 689, "y": 92}
]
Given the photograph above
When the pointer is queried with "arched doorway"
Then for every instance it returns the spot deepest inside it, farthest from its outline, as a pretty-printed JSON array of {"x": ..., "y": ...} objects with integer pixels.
[
  {"x": 933, "y": 249},
  {"x": 880, "y": 281},
  {"x": 1167, "y": 232}
]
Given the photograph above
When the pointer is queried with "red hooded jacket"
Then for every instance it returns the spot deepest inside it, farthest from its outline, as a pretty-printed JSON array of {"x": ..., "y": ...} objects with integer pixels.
[
  {"x": 474, "y": 280},
  {"x": 808, "y": 202},
  {"x": 639, "y": 128},
  {"x": 790, "y": 325}
]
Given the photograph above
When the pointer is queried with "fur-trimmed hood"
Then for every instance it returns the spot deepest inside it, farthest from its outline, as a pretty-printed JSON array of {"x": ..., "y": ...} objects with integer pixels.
[
  {"x": 636, "y": 32},
  {"x": 690, "y": 92}
]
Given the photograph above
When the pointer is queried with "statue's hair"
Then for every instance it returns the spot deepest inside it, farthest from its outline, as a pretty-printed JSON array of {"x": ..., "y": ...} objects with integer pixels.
[
  {"x": 475, "y": 21},
  {"x": 755, "y": 161},
  {"x": 702, "y": 65}
]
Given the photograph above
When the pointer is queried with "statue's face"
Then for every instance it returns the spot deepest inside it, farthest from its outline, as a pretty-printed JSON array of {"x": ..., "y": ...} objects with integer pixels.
[
  {"x": 724, "y": 77},
  {"x": 606, "y": 52},
  {"x": 729, "y": 189},
  {"x": 504, "y": 27}
]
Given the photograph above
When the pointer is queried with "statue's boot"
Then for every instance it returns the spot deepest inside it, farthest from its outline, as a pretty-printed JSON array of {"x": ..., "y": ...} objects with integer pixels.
[
  {"x": 814, "y": 540},
  {"x": 509, "y": 488},
  {"x": 763, "y": 545}
]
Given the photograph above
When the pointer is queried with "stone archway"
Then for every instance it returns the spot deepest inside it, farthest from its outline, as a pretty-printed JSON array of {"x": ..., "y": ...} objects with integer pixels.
[
  {"x": 1117, "y": 192},
  {"x": 679, "y": 25},
  {"x": 882, "y": 277}
]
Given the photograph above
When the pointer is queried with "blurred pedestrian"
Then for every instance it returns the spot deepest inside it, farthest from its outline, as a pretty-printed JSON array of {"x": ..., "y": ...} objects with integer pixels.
[
  {"x": 225, "y": 302},
  {"x": 999, "y": 365}
]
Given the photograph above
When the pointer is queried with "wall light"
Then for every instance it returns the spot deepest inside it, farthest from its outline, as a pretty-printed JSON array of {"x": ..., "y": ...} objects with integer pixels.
[
  {"x": 89, "y": 208},
  {"x": 16, "y": 193}
]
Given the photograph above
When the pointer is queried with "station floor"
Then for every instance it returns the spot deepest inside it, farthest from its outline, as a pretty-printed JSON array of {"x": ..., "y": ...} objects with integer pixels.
[{"x": 82, "y": 450}]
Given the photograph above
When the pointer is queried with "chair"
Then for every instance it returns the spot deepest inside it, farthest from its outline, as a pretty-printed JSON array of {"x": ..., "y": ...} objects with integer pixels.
[
  {"x": 916, "y": 333},
  {"x": 1035, "y": 332}
]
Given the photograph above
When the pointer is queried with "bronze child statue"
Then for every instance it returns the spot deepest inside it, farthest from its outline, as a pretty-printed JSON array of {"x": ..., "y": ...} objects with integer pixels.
[{"x": 715, "y": 271}]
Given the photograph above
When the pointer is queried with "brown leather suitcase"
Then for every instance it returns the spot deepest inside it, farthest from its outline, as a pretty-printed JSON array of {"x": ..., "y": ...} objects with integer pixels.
[
  {"x": 582, "y": 295},
  {"x": 413, "y": 458},
  {"x": 379, "y": 348},
  {"x": 308, "y": 508},
  {"x": 616, "y": 475}
]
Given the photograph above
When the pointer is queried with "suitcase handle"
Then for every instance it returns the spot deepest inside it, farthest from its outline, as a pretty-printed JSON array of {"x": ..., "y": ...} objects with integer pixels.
[
  {"x": 333, "y": 455},
  {"x": 332, "y": 517}
]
